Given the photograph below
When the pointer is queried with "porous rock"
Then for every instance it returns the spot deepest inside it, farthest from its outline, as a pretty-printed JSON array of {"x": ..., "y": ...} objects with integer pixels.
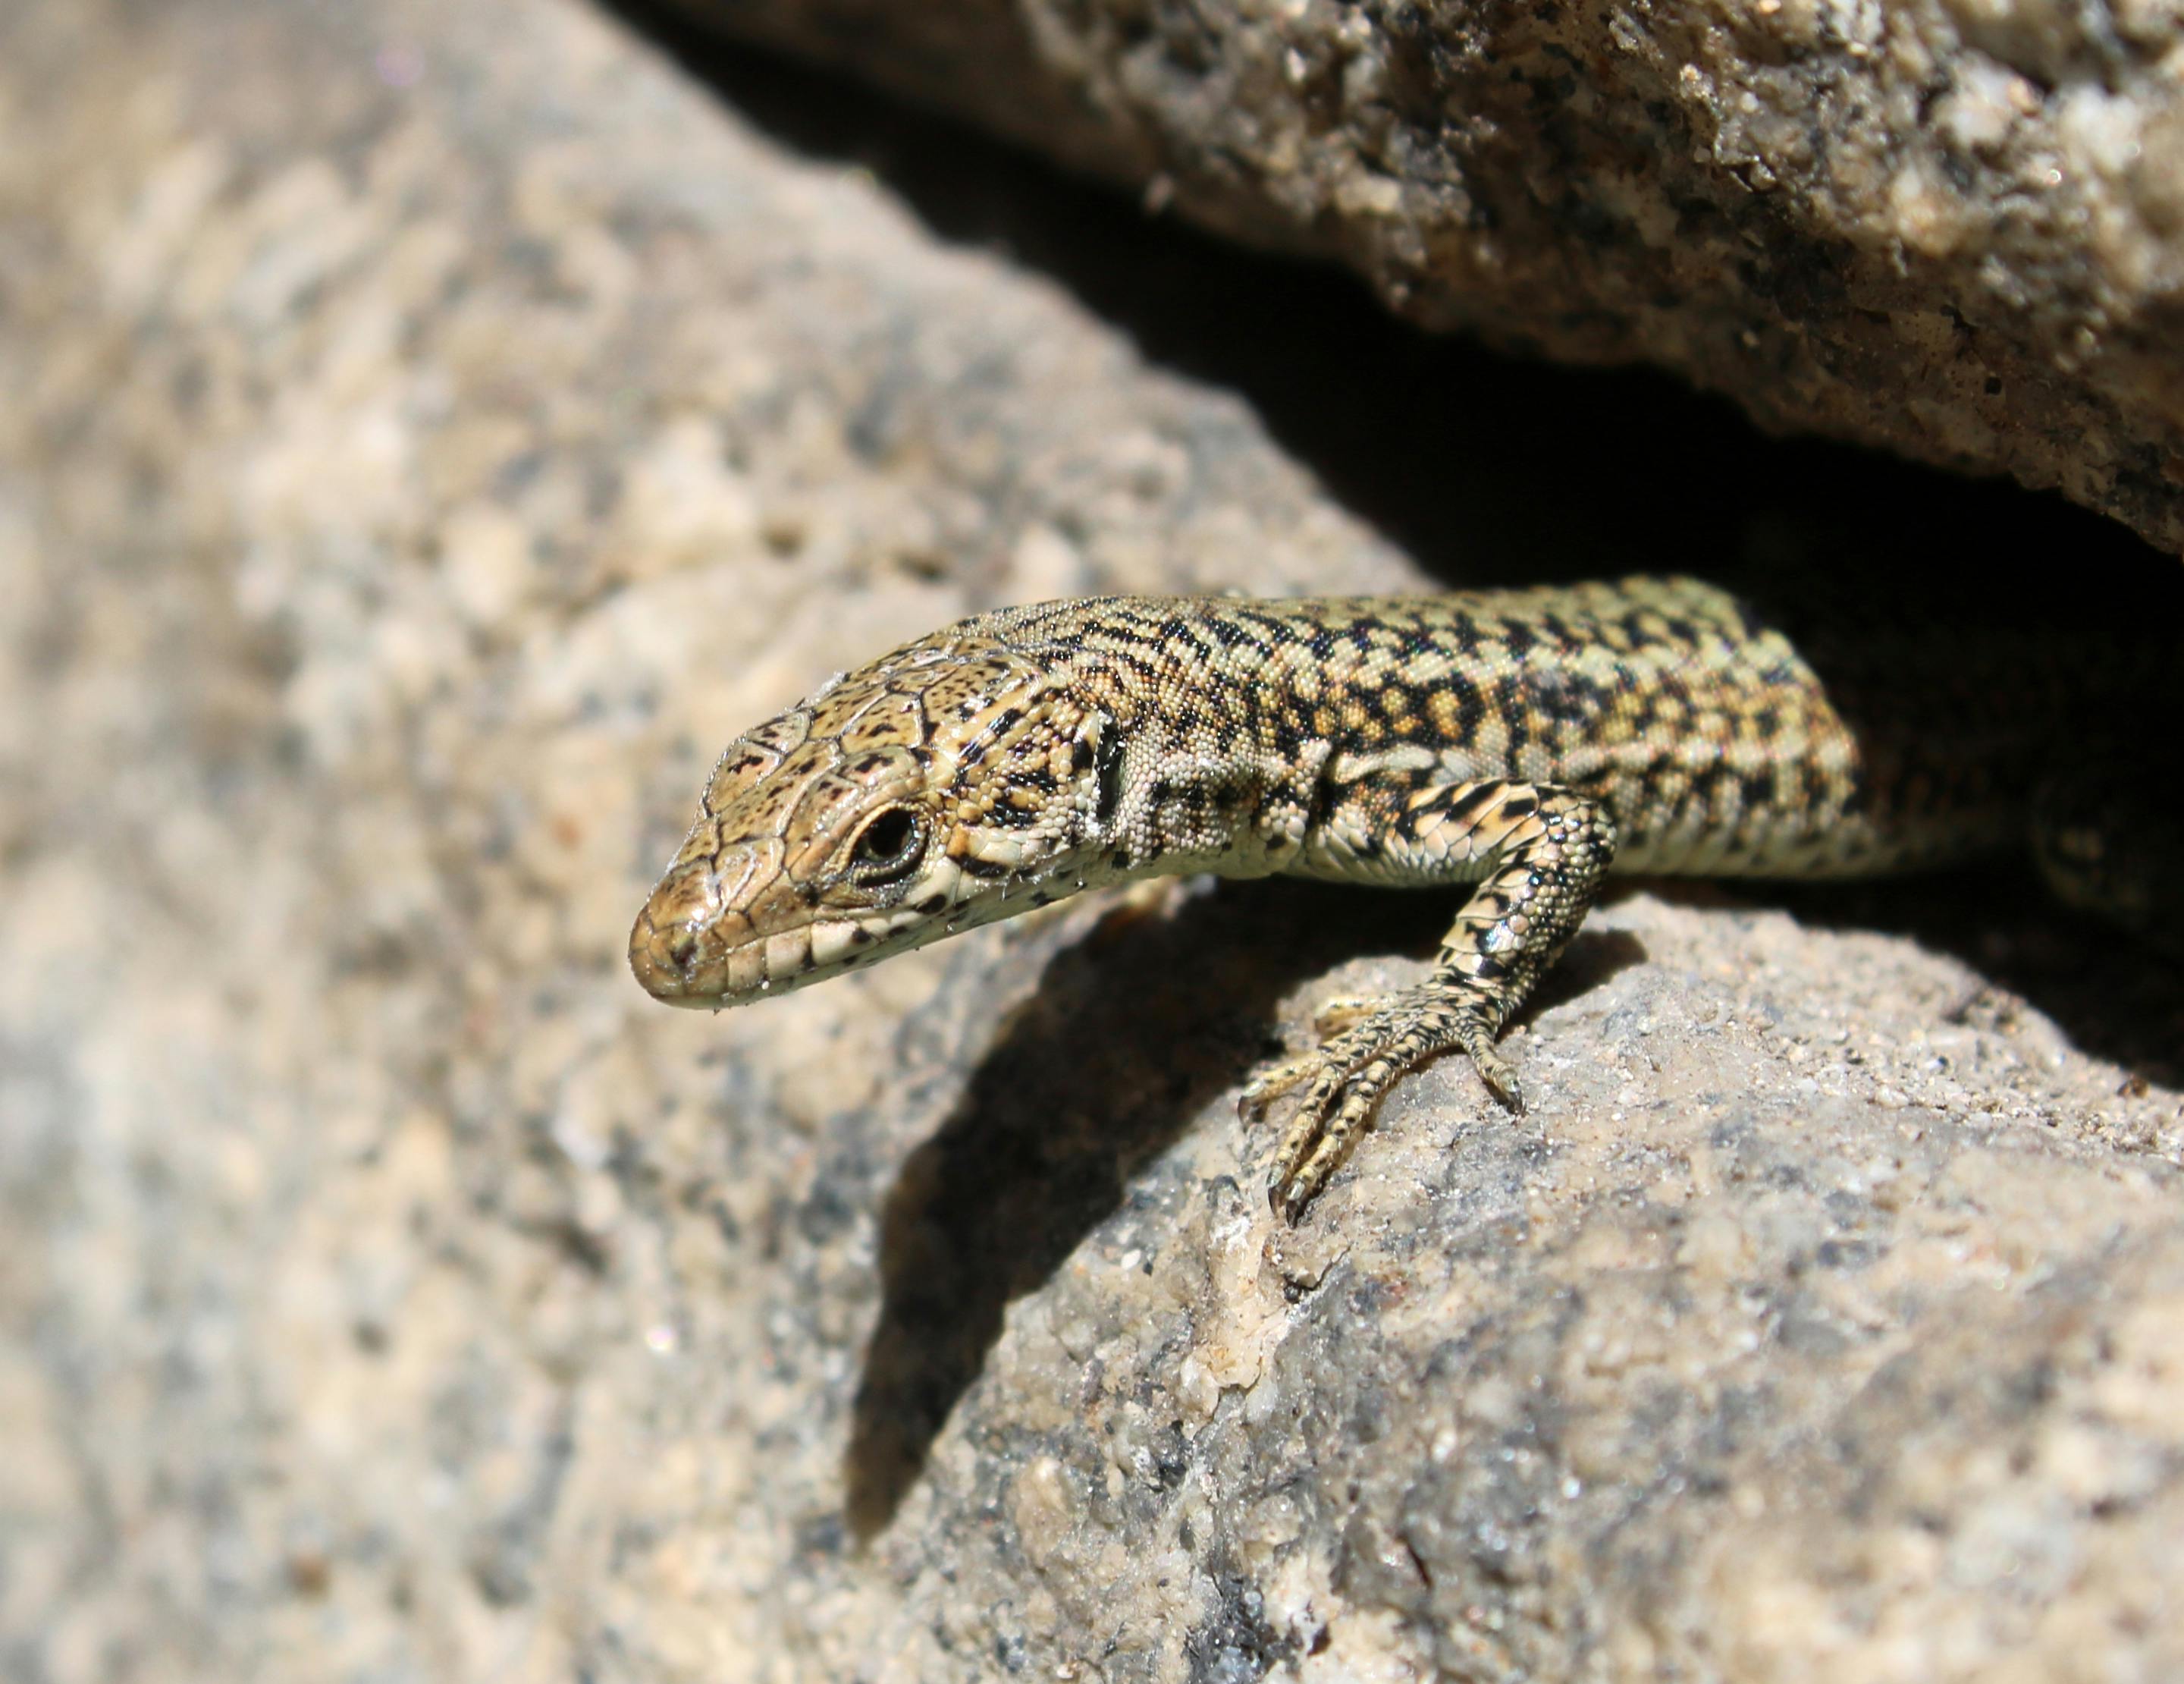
[{"x": 1951, "y": 228}]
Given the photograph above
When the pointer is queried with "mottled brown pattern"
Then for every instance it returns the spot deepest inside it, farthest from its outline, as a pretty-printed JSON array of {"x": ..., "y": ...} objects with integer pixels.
[{"x": 1520, "y": 740}]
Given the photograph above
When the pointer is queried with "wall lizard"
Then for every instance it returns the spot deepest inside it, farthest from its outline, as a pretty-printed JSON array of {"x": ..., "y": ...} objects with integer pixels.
[{"x": 1521, "y": 741}]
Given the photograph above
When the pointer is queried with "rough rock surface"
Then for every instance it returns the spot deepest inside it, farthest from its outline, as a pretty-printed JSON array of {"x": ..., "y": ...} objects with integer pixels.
[
  {"x": 425, "y": 440},
  {"x": 1953, "y": 228}
]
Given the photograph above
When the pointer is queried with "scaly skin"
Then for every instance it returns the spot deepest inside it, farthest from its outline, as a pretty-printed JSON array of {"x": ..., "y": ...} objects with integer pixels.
[{"x": 1520, "y": 740}]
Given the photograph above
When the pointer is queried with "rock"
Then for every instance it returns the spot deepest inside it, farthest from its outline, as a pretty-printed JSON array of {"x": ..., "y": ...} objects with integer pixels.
[
  {"x": 426, "y": 441},
  {"x": 1951, "y": 228}
]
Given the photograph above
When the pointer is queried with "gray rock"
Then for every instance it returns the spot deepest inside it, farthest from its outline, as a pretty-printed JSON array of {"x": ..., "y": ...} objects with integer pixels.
[
  {"x": 426, "y": 439},
  {"x": 1952, "y": 228}
]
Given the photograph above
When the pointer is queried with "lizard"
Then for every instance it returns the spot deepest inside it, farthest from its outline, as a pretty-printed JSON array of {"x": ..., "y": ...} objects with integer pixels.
[{"x": 1519, "y": 742}]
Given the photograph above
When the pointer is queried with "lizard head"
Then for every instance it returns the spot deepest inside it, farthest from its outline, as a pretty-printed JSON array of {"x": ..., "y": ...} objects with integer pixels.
[{"x": 948, "y": 784}]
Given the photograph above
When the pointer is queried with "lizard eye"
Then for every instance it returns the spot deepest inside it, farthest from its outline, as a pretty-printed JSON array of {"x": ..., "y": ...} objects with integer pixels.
[{"x": 889, "y": 845}]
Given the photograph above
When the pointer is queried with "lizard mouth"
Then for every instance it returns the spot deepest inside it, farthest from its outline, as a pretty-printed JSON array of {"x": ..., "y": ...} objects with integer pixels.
[
  {"x": 721, "y": 962},
  {"x": 686, "y": 949}
]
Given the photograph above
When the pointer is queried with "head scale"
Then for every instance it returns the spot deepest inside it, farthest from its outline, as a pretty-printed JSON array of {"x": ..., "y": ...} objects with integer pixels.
[{"x": 952, "y": 783}]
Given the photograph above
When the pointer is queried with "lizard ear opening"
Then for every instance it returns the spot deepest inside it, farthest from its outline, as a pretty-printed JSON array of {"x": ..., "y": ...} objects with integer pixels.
[{"x": 1099, "y": 748}]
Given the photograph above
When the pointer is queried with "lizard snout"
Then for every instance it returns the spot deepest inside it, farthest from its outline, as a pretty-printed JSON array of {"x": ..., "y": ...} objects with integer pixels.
[{"x": 667, "y": 950}]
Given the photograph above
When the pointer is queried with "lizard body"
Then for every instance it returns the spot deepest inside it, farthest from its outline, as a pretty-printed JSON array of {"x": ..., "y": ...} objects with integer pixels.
[{"x": 1520, "y": 741}]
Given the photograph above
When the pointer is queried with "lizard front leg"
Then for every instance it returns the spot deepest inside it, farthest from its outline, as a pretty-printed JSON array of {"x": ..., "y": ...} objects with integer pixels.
[{"x": 1545, "y": 849}]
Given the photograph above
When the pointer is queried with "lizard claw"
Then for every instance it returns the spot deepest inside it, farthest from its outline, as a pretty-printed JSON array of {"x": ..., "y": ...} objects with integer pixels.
[{"x": 1346, "y": 1076}]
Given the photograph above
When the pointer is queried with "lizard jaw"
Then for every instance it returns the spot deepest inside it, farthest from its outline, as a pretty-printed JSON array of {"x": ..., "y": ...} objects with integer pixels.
[{"x": 689, "y": 948}]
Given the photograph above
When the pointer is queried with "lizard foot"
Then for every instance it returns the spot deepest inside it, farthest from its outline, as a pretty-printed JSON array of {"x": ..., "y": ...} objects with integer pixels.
[{"x": 1370, "y": 1045}]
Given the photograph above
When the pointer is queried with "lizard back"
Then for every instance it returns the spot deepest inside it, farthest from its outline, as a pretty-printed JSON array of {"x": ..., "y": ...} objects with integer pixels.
[{"x": 1721, "y": 740}]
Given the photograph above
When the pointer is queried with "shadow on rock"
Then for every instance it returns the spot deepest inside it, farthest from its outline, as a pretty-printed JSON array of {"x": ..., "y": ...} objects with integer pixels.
[{"x": 1131, "y": 1035}]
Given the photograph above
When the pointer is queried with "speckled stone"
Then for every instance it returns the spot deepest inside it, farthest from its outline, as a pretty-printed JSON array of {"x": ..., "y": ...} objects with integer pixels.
[
  {"x": 1952, "y": 228},
  {"x": 426, "y": 439}
]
